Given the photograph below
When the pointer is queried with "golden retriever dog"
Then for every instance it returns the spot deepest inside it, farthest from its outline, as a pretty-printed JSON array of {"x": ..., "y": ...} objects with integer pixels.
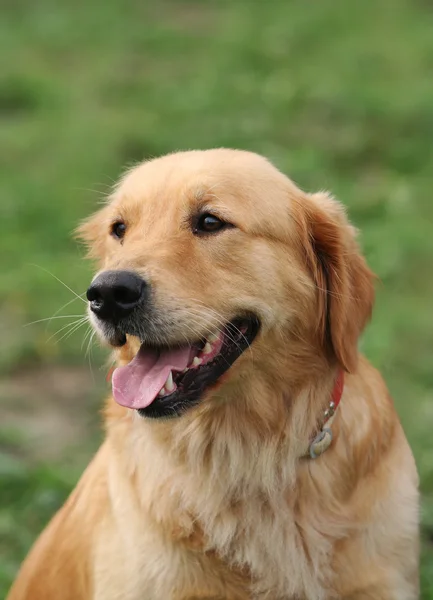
[{"x": 250, "y": 452}]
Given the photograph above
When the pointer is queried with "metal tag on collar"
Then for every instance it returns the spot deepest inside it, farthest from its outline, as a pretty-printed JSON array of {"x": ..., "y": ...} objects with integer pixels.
[{"x": 321, "y": 442}]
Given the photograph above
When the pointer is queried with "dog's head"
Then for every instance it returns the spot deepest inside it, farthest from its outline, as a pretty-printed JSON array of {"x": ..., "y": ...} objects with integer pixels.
[{"x": 214, "y": 266}]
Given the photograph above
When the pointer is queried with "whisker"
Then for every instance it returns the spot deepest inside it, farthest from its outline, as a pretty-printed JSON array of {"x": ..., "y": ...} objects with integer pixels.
[
  {"x": 89, "y": 342},
  {"x": 331, "y": 293},
  {"x": 50, "y": 318},
  {"x": 93, "y": 191},
  {"x": 86, "y": 336},
  {"x": 71, "y": 331},
  {"x": 218, "y": 320},
  {"x": 67, "y": 304},
  {"x": 59, "y": 280},
  {"x": 78, "y": 321},
  {"x": 89, "y": 351}
]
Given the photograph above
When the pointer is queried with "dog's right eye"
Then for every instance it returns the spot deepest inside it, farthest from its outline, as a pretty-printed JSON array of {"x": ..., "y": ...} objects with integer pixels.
[
  {"x": 118, "y": 230},
  {"x": 208, "y": 223}
]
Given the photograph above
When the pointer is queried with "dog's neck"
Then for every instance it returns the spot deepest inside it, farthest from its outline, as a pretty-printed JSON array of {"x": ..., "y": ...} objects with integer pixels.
[
  {"x": 242, "y": 446},
  {"x": 250, "y": 436}
]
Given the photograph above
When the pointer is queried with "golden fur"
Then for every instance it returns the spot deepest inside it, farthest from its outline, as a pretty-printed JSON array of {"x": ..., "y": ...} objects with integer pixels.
[{"x": 221, "y": 502}]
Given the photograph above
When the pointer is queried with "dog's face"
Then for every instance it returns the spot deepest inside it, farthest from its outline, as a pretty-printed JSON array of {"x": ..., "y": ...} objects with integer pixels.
[{"x": 214, "y": 265}]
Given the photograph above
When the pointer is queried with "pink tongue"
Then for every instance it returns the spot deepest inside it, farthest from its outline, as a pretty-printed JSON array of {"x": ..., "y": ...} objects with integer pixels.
[{"x": 137, "y": 384}]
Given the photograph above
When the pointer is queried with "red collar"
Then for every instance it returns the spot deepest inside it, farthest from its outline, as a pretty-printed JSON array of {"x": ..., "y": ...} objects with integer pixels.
[
  {"x": 323, "y": 438},
  {"x": 337, "y": 392}
]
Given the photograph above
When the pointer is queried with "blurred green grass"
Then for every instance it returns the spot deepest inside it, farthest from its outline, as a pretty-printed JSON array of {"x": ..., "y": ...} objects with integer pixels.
[{"x": 338, "y": 94}]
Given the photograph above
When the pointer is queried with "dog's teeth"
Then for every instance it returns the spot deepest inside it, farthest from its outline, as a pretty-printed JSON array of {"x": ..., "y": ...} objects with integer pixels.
[
  {"x": 196, "y": 362},
  {"x": 207, "y": 348},
  {"x": 169, "y": 384},
  {"x": 185, "y": 370},
  {"x": 161, "y": 392},
  {"x": 212, "y": 338}
]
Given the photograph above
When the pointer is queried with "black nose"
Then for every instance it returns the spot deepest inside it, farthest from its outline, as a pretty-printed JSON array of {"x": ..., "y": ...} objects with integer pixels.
[{"x": 114, "y": 294}]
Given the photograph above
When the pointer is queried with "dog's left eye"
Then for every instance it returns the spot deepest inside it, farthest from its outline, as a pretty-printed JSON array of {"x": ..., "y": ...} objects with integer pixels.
[
  {"x": 118, "y": 230},
  {"x": 208, "y": 223}
]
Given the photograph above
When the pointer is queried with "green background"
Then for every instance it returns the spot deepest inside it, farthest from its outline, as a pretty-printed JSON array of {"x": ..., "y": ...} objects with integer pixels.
[{"x": 338, "y": 94}]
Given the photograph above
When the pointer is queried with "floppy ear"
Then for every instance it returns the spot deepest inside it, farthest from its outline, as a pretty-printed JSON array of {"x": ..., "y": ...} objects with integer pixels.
[
  {"x": 93, "y": 231},
  {"x": 344, "y": 281}
]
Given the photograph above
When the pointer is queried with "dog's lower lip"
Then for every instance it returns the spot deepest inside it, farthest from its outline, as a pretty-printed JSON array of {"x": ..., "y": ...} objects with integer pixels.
[{"x": 119, "y": 341}]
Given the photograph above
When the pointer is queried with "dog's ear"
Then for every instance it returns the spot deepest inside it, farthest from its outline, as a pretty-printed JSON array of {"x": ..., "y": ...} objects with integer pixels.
[
  {"x": 344, "y": 281},
  {"x": 94, "y": 232}
]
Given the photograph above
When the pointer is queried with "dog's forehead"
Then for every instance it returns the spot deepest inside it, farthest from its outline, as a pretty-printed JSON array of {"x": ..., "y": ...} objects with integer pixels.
[{"x": 240, "y": 185}]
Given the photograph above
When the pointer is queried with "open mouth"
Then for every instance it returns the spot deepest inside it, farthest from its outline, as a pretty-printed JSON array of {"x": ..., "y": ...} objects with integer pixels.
[{"x": 166, "y": 381}]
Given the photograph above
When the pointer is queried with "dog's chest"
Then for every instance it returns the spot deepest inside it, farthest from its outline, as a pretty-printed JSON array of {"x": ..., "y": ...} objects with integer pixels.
[
  {"x": 268, "y": 547},
  {"x": 211, "y": 521},
  {"x": 238, "y": 550}
]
